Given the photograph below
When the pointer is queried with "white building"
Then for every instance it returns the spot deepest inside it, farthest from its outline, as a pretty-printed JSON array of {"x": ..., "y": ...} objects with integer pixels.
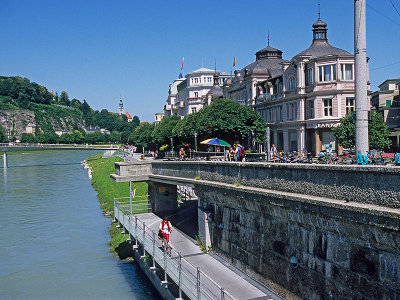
[
  {"x": 315, "y": 89},
  {"x": 158, "y": 117},
  {"x": 186, "y": 95}
]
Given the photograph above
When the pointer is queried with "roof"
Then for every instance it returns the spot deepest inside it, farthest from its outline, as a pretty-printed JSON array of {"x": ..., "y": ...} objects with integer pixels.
[
  {"x": 270, "y": 67},
  {"x": 215, "y": 92},
  {"x": 202, "y": 70},
  {"x": 322, "y": 48},
  {"x": 128, "y": 115},
  {"x": 390, "y": 81}
]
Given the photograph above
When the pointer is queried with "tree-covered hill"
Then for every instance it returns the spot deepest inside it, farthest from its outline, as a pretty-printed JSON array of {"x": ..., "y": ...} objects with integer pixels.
[{"x": 53, "y": 112}]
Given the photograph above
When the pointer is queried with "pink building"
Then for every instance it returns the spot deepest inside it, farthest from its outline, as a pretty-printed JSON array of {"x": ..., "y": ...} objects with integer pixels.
[{"x": 316, "y": 89}]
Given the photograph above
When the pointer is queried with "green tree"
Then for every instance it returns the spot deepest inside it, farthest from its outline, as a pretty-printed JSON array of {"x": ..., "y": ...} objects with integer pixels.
[
  {"x": 142, "y": 136},
  {"x": 27, "y": 138},
  {"x": 163, "y": 131},
  {"x": 64, "y": 98},
  {"x": 3, "y": 136},
  {"x": 115, "y": 137},
  {"x": 377, "y": 131},
  {"x": 345, "y": 132},
  {"x": 77, "y": 137},
  {"x": 225, "y": 119}
]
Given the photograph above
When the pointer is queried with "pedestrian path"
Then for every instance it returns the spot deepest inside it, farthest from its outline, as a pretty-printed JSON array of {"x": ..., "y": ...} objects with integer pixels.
[{"x": 235, "y": 283}]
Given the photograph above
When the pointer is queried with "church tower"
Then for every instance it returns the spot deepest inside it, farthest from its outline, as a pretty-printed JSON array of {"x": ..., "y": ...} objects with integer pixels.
[{"x": 121, "y": 107}]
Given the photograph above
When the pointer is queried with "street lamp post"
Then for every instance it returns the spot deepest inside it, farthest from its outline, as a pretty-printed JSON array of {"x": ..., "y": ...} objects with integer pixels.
[
  {"x": 172, "y": 144},
  {"x": 252, "y": 140},
  {"x": 195, "y": 141},
  {"x": 268, "y": 135}
]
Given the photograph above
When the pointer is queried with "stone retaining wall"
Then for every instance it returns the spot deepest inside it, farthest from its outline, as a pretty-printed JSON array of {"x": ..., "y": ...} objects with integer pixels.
[
  {"x": 377, "y": 185},
  {"x": 342, "y": 252}
]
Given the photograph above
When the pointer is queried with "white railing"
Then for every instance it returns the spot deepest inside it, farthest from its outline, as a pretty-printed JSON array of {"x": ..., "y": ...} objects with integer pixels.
[{"x": 190, "y": 279}]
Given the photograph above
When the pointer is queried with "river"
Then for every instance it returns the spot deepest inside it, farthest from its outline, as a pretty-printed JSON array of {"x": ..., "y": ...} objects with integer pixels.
[{"x": 53, "y": 235}]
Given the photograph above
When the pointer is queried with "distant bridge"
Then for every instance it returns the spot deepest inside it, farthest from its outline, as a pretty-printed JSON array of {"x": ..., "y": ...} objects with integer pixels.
[{"x": 35, "y": 147}]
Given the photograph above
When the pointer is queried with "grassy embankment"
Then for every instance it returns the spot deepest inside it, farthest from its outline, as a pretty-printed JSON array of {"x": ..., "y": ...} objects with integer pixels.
[{"x": 107, "y": 189}]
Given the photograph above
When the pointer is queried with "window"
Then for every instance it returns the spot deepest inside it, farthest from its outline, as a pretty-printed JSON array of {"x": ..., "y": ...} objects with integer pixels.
[
  {"x": 280, "y": 113},
  {"x": 292, "y": 141},
  {"x": 292, "y": 111},
  {"x": 196, "y": 94},
  {"x": 291, "y": 83},
  {"x": 311, "y": 109},
  {"x": 347, "y": 71},
  {"x": 349, "y": 105},
  {"x": 196, "y": 80},
  {"x": 194, "y": 109},
  {"x": 327, "y": 73},
  {"x": 209, "y": 79},
  {"x": 310, "y": 76},
  {"x": 327, "y": 107},
  {"x": 269, "y": 115}
]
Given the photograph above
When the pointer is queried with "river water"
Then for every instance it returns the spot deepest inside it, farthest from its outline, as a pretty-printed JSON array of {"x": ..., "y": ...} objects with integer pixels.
[{"x": 53, "y": 235}]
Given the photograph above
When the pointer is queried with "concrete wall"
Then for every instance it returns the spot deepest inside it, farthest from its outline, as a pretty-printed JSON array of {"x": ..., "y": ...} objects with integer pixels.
[
  {"x": 342, "y": 252},
  {"x": 364, "y": 184},
  {"x": 163, "y": 197}
]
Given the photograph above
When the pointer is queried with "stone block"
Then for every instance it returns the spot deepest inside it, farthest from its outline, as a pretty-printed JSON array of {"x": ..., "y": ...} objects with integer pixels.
[
  {"x": 389, "y": 268},
  {"x": 364, "y": 261}
]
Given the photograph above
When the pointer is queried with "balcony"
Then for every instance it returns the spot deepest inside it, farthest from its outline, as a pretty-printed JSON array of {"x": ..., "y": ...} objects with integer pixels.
[
  {"x": 263, "y": 97},
  {"x": 167, "y": 107},
  {"x": 194, "y": 99}
]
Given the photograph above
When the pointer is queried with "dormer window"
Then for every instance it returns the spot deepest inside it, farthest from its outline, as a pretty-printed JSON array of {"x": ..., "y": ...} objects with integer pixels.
[{"x": 291, "y": 83}]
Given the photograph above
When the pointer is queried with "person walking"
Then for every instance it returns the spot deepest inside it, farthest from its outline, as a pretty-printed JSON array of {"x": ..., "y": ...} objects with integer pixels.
[
  {"x": 239, "y": 151},
  {"x": 165, "y": 229}
]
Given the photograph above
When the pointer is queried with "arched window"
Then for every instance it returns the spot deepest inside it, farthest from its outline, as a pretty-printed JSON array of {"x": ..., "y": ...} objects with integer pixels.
[{"x": 291, "y": 83}]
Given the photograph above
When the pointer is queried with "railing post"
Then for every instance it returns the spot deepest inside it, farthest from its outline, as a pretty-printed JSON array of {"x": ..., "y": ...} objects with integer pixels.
[
  {"x": 198, "y": 283},
  {"x": 130, "y": 194},
  {"x": 165, "y": 262},
  {"x": 136, "y": 235},
  {"x": 123, "y": 221},
  {"x": 154, "y": 249},
  {"x": 144, "y": 237},
  {"x": 180, "y": 274},
  {"x": 222, "y": 294},
  {"x": 114, "y": 212},
  {"x": 129, "y": 231}
]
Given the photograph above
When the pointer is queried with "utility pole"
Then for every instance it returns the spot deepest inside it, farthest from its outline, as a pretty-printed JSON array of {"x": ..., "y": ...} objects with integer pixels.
[{"x": 360, "y": 57}]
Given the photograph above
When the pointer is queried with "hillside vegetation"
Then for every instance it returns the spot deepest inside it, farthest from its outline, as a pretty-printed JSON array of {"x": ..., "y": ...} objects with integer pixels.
[{"x": 53, "y": 112}]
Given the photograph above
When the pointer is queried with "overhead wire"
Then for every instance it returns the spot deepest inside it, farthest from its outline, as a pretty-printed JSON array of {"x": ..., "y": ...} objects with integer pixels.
[
  {"x": 391, "y": 2},
  {"x": 382, "y": 14}
]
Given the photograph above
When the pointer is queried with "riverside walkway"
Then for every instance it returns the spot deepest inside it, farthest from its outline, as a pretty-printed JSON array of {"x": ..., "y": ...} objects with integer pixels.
[{"x": 195, "y": 274}]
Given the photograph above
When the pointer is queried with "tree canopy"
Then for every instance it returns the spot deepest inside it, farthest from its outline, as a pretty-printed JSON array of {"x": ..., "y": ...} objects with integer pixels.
[
  {"x": 377, "y": 131},
  {"x": 225, "y": 119}
]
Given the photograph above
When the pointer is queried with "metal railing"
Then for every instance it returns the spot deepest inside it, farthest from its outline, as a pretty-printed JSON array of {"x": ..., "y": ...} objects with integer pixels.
[{"x": 190, "y": 279}]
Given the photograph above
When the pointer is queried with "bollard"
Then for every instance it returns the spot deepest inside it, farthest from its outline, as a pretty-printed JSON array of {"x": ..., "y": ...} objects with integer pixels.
[{"x": 5, "y": 164}]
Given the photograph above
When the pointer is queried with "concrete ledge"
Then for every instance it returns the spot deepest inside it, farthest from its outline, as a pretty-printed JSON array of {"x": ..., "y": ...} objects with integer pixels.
[{"x": 126, "y": 178}]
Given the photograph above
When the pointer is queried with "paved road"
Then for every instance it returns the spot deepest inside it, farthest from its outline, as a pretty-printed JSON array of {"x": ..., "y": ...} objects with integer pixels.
[{"x": 234, "y": 282}]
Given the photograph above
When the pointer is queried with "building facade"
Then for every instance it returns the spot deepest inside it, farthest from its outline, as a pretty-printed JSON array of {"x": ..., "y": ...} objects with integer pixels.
[
  {"x": 186, "y": 95},
  {"x": 314, "y": 90},
  {"x": 386, "y": 102},
  {"x": 243, "y": 86},
  {"x": 158, "y": 117}
]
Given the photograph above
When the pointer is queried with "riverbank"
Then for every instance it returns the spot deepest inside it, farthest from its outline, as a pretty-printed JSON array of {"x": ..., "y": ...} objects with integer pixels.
[{"x": 107, "y": 189}]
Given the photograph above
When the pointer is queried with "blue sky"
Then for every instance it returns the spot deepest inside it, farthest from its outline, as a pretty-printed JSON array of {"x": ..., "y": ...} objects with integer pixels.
[{"x": 99, "y": 50}]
